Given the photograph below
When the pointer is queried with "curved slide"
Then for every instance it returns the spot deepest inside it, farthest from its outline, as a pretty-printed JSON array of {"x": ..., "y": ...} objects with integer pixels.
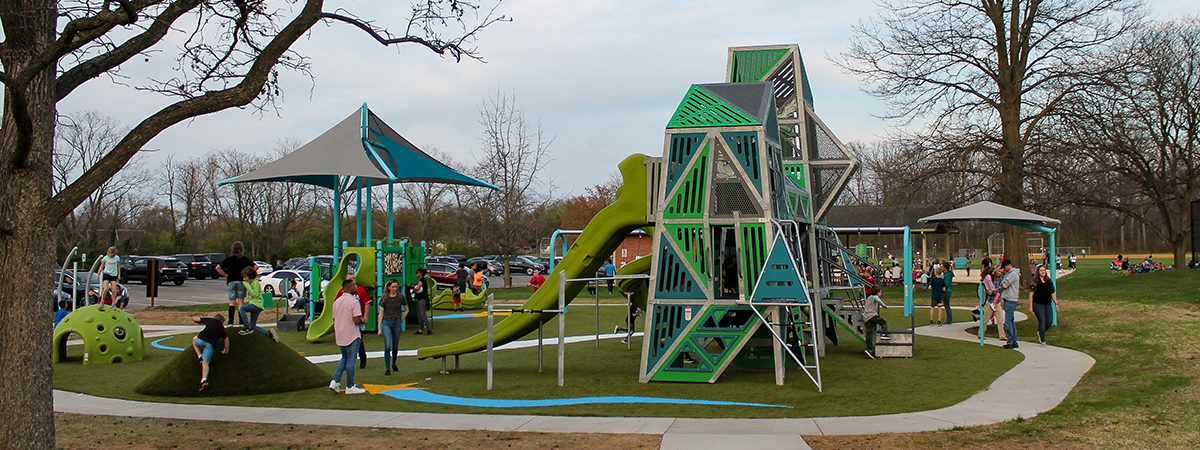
[
  {"x": 365, "y": 277},
  {"x": 600, "y": 238}
]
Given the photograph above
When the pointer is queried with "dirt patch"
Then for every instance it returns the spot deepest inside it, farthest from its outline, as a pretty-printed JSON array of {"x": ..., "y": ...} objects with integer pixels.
[
  {"x": 87, "y": 431},
  {"x": 155, "y": 316},
  {"x": 972, "y": 439}
]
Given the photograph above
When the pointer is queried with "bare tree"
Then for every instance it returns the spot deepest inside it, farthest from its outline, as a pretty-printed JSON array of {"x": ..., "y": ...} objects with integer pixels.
[
  {"x": 1131, "y": 143},
  {"x": 232, "y": 57},
  {"x": 514, "y": 157},
  {"x": 981, "y": 77},
  {"x": 83, "y": 138}
]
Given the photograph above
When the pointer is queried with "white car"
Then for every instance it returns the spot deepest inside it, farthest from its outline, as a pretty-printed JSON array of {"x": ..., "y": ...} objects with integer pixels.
[
  {"x": 279, "y": 278},
  {"x": 263, "y": 267}
]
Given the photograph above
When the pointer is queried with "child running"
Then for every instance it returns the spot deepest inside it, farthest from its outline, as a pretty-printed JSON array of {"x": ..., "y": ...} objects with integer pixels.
[
  {"x": 206, "y": 341},
  {"x": 347, "y": 316}
]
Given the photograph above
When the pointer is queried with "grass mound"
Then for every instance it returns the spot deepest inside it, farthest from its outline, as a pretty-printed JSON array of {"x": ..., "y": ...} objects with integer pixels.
[{"x": 255, "y": 365}]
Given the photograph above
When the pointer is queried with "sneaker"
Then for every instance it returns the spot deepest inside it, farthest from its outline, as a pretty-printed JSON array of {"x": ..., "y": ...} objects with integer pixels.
[
  {"x": 418, "y": 332},
  {"x": 387, "y": 372},
  {"x": 939, "y": 323},
  {"x": 273, "y": 335},
  {"x": 429, "y": 332},
  {"x": 885, "y": 337},
  {"x": 203, "y": 385},
  {"x": 1008, "y": 346},
  {"x": 688, "y": 360},
  {"x": 394, "y": 368},
  {"x": 245, "y": 332},
  {"x": 931, "y": 323},
  {"x": 870, "y": 355},
  {"x": 355, "y": 390},
  {"x": 1043, "y": 344},
  {"x": 335, "y": 387},
  {"x": 617, "y": 329},
  {"x": 625, "y": 341}
]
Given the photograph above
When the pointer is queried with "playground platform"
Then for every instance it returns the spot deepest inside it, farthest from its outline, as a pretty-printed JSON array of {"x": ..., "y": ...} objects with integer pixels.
[{"x": 1037, "y": 384}]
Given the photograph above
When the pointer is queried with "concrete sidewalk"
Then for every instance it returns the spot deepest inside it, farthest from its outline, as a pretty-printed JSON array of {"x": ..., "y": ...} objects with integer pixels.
[{"x": 1037, "y": 384}]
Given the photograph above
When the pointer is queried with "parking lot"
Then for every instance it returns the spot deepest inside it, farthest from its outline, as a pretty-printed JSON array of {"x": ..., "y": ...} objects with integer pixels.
[{"x": 198, "y": 292}]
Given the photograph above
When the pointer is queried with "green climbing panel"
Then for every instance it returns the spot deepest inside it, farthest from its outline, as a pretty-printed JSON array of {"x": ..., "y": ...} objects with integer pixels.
[
  {"x": 693, "y": 245},
  {"x": 688, "y": 202},
  {"x": 703, "y": 109},
  {"x": 754, "y": 253},
  {"x": 753, "y": 65}
]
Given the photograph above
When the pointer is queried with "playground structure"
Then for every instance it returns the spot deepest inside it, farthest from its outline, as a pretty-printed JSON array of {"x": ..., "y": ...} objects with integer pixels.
[
  {"x": 109, "y": 335},
  {"x": 743, "y": 270},
  {"x": 747, "y": 173}
]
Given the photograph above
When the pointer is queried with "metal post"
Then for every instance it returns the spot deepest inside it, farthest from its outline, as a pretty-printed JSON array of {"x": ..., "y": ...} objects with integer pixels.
[
  {"x": 1054, "y": 274},
  {"x": 597, "y": 314},
  {"x": 444, "y": 372},
  {"x": 562, "y": 324},
  {"x": 628, "y": 322},
  {"x": 391, "y": 200},
  {"x": 456, "y": 363},
  {"x": 369, "y": 223},
  {"x": 314, "y": 285},
  {"x": 337, "y": 218},
  {"x": 358, "y": 212},
  {"x": 490, "y": 303},
  {"x": 907, "y": 276},
  {"x": 75, "y": 286},
  {"x": 539, "y": 346}
]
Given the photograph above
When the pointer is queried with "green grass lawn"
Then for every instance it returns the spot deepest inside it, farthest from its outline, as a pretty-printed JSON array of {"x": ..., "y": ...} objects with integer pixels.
[{"x": 943, "y": 372}]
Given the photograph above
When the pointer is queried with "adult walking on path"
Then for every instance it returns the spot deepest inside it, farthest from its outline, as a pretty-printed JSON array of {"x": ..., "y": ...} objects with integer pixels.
[
  {"x": 422, "y": 291},
  {"x": 1010, "y": 288},
  {"x": 347, "y": 317},
  {"x": 392, "y": 311},
  {"x": 206, "y": 341},
  {"x": 1042, "y": 301},
  {"x": 231, "y": 268},
  {"x": 110, "y": 272}
]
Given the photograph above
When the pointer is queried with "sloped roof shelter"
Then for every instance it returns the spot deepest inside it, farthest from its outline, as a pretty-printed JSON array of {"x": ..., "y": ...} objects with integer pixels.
[
  {"x": 991, "y": 212},
  {"x": 360, "y": 151}
]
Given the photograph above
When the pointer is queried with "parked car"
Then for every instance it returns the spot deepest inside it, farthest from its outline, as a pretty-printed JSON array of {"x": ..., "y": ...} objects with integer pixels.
[
  {"x": 198, "y": 264},
  {"x": 461, "y": 259},
  {"x": 215, "y": 258},
  {"x": 86, "y": 290},
  {"x": 442, "y": 260},
  {"x": 443, "y": 274},
  {"x": 493, "y": 266},
  {"x": 136, "y": 268},
  {"x": 263, "y": 267},
  {"x": 277, "y": 278},
  {"x": 297, "y": 263}
]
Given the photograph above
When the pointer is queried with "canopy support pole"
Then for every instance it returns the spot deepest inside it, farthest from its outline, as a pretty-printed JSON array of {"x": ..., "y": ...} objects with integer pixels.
[
  {"x": 907, "y": 275},
  {"x": 369, "y": 223},
  {"x": 358, "y": 212},
  {"x": 337, "y": 219},
  {"x": 391, "y": 202}
]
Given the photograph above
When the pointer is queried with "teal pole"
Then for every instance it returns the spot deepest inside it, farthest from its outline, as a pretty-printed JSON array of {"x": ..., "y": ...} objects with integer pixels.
[
  {"x": 1053, "y": 275},
  {"x": 391, "y": 201},
  {"x": 358, "y": 211},
  {"x": 314, "y": 285},
  {"x": 907, "y": 276},
  {"x": 337, "y": 218},
  {"x": 369, "y": 222}
]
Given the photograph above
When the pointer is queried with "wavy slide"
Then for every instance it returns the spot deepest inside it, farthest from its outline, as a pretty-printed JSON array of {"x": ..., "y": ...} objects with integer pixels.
[
  {"x": 365, "y": 277},
  {"x": 600, "y": 238}
]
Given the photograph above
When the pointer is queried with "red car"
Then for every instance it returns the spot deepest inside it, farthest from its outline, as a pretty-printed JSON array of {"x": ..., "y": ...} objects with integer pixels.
[{"x": 443, "y": 274}]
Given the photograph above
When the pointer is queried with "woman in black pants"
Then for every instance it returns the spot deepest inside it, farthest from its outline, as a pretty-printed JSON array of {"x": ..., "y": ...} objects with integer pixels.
[{"x": 1042, "y": 301}]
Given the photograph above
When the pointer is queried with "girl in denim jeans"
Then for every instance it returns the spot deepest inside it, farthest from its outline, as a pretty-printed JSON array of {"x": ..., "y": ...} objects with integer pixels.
[{"x": 393, "y": 308}]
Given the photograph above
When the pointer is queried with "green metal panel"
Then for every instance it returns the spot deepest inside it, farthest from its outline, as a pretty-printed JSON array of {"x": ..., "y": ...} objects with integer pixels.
[
  {"x": 701, "y": 109},
  {"x": 683, "y": 150},
  {"x": 673, "y": 280},
  {"x": 666, "y": 325},
  {"x": 689, "y": 200},
  {"x": 691, "y": 241},
  {"x": 753, "y": 65},
  {"x": 797, "y": 173},
  {"x": 754, "y": 253},
  {"x": 744, "y": 146}
]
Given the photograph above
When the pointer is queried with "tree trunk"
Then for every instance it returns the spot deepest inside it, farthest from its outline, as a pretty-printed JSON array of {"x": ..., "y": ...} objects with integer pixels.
[
  {"x": 26, "y": 237},
  {"x": 1180, "y": 249}
]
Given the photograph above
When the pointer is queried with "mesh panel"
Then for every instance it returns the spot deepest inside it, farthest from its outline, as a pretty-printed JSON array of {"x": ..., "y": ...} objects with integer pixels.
[
  {"x": 393, "y": 263},
  {"x": 825, "y": 146},
  {"x": 825, "y": 181},
  {"x": 733, "y": 197}
]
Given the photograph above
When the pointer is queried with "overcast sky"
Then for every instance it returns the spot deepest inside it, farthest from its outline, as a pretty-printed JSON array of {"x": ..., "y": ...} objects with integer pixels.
[{"x": 602, "y": 76}]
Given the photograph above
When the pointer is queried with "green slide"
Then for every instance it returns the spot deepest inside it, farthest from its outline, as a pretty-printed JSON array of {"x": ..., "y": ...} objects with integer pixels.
[
  {"x": 444, "y": 301},
  {"x": 591, "y": 250},
  {"x": 365, "y": 277}
]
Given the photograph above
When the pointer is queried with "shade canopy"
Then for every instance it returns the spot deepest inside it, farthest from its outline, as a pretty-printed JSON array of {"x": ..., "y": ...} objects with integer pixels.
[
  {"x": 986, "y": 210},
  {"x": 359, "y": 148}
]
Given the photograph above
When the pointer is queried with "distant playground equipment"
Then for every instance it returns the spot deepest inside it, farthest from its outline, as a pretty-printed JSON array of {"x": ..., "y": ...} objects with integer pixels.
[{"x": 109, "y": 335}]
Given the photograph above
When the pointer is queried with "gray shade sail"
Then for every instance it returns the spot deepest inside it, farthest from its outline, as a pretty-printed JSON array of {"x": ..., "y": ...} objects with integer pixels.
[
  {"x": 986, "y": 210},
  {"x": 360, "y": 147}
]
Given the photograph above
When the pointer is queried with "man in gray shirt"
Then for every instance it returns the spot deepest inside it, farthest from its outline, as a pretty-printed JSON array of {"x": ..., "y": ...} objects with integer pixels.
[{"x": 1010, "y": 288}]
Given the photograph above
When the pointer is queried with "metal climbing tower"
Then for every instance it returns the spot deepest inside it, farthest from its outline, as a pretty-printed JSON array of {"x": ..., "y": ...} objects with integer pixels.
[{"x": 746, "y": 175}]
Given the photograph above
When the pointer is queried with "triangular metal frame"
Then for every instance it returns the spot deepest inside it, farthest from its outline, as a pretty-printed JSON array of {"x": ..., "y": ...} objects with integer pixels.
[{"x": 815, "y": 373}]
